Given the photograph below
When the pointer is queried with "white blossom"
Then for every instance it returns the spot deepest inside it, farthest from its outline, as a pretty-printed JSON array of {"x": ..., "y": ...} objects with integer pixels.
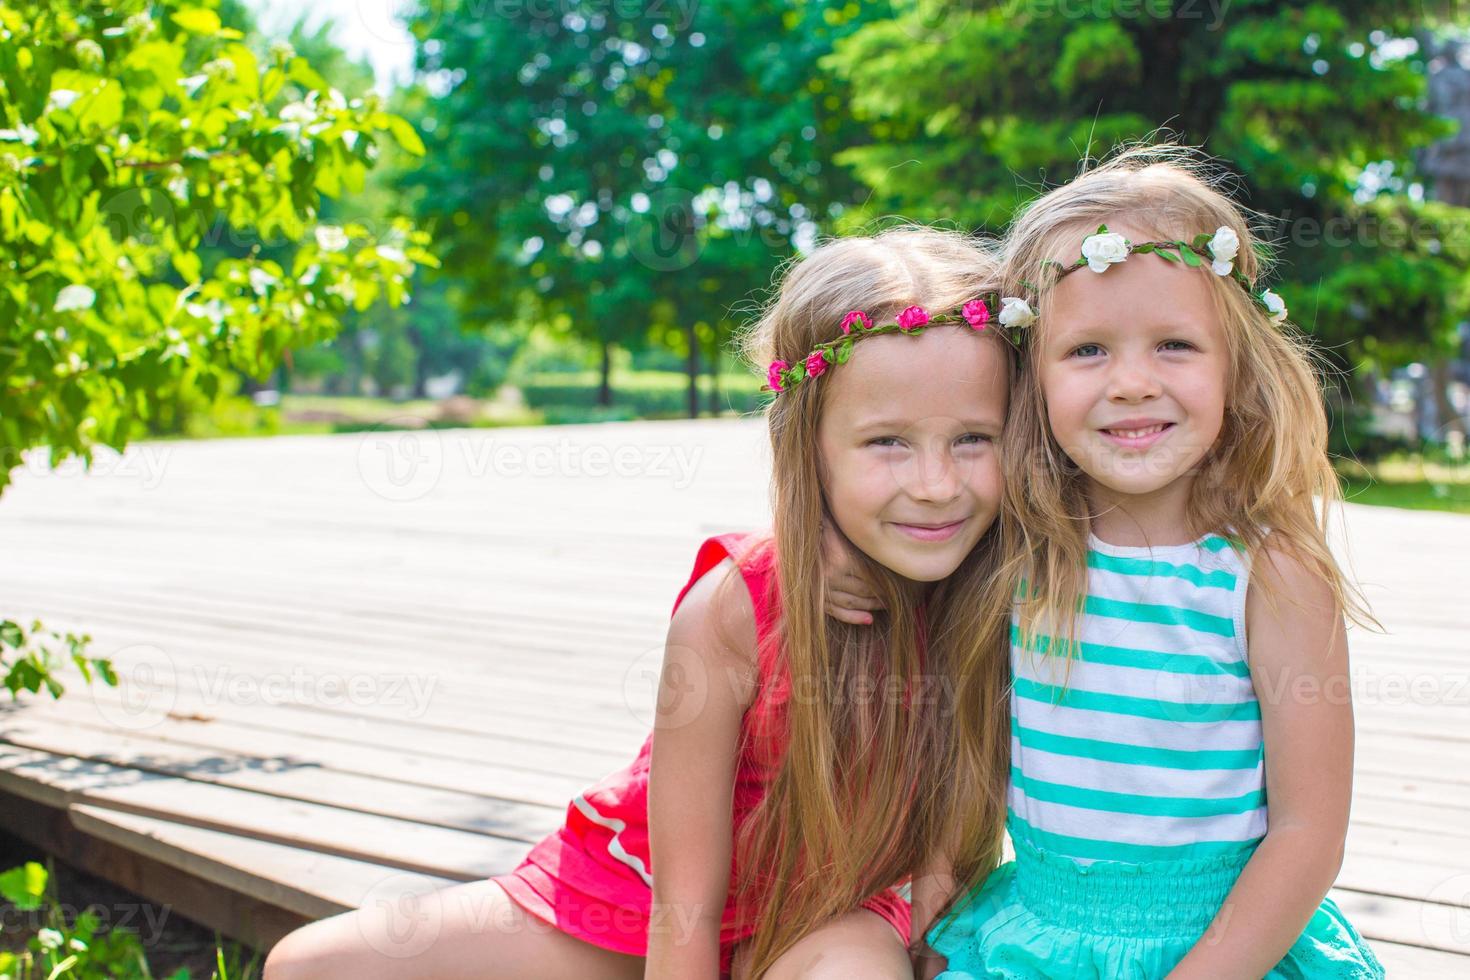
[
  {"x": 61, "y": 98},
  {"x": 1103, "y": 250},
  {"x": 260, "y": 279},
  {"x": 74, "y": 297},
  {"x": 20, "y": 134},
  {"x": 1016, "y": 312},
  {"x": 1223, "y": 248},
  {"x": 1275, "y": 306},
  {"x": 330, "y": 238}
]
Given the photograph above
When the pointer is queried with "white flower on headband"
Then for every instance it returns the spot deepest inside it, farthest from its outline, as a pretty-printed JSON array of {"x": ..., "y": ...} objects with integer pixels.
[
  {"x": 1103, "y": 250},
  {"x": 1016, "y": 312},
  {"x": 1275, "y": 305},
  {"x": 1223, "y": 248}
]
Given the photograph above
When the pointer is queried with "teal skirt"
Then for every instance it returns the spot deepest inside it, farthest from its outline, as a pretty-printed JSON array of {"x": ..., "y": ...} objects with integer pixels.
[{"x": 1044, "y": 915}]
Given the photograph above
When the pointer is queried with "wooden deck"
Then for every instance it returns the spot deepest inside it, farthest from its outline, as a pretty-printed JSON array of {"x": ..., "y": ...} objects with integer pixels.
[{"x": 362, "y": 665}]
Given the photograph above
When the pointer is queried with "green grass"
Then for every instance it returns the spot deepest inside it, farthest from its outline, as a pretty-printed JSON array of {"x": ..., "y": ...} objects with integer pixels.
[
  {"x": 641, "y": 380},
  {"x": 550, "y": 398},
  {"x": 1412, "y": 482}
]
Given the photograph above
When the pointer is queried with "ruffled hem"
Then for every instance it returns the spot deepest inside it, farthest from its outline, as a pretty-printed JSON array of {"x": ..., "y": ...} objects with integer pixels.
[{"x": 996, "y": 937}]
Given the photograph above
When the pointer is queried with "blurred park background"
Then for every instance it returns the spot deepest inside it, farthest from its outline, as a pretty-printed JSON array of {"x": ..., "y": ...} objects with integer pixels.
[
  {"x": 244, "y": 218},
  {"x": 226, "y": 218}
]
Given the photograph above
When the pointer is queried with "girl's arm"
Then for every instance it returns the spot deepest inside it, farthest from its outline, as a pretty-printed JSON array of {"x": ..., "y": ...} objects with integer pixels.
[
  {"x": 932, "y": 887},
  {"x": 1299, "y": 666},
  {"x": 706, "y": 684}
]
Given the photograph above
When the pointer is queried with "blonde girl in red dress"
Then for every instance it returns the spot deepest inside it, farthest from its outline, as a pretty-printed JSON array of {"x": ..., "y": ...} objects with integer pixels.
[{"x": 802, "y": 771}]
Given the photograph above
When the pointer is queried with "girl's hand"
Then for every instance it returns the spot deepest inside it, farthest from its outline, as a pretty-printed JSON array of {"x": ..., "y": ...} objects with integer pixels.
[
  {"x": 849, "y": 598},
  {"x": 929, "y": 967}
]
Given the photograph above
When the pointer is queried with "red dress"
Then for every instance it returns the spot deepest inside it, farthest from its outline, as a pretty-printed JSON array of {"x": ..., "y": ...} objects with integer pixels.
[{"x": 592, "y": 877}]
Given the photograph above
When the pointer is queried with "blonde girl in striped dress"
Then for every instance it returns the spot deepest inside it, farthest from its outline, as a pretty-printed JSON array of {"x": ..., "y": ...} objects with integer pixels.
[{"x": 1181, "y": 724}]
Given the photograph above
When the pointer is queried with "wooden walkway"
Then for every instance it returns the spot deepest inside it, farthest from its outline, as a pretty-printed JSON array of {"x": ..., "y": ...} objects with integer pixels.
[{"x": 362, "y": 665}]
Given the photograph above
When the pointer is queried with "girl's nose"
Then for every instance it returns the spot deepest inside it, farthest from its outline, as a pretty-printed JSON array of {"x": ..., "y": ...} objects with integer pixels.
[
  {"x": 1132, "y": 379},
  {"x": 937, "y": 476}
]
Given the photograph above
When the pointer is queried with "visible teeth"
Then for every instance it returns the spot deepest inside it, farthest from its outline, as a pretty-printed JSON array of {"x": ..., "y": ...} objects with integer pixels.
[{"x": 1138, "y": 433}]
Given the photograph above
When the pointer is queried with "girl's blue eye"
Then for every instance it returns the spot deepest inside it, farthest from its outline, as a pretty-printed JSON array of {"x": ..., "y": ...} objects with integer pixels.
[
  {"x": 1182, "y": 345},
  {"x": 1087, "y": 350},
  {"x": 883, "y": 440},
  {"x": 976, "y": 436}
]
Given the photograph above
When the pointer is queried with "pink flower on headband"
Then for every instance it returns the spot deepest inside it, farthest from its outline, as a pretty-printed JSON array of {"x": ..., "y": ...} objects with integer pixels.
[
  {"x": 856, "y": 316},
  {"x": 815, "y": 364},
  {"x": 912, "y": 317},
  {"x": 977, "y": 313},
  {"x": 773, "y": 374}
]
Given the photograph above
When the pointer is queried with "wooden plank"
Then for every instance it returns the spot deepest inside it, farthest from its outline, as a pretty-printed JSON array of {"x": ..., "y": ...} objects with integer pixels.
[
  {"x": 247, "y": 557},
  {"x": 1426, "y": 925},
  {"x": 60, "y": 782},
  {"x": 235, "y": 914},
  {"x": 424, "y": 765},
  {"x": 1419, "y": 963},
  {"x": 297, "y": 780},
  {"x": 309, "y": 884}
]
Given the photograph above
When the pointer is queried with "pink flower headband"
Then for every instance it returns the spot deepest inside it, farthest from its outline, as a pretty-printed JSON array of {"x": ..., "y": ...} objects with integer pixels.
[{"x": 782, "y": 376}]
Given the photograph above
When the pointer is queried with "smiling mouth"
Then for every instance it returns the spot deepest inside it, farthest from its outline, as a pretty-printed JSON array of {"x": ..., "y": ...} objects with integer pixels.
[
  {"x": 931, "y": 532},
  {"x": 1143, "y": 433}
]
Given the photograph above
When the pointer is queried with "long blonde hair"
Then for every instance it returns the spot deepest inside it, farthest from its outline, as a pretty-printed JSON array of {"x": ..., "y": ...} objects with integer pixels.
[
  {"x": 1270, "y": 460},
  {"x": 868, "y": 787}
]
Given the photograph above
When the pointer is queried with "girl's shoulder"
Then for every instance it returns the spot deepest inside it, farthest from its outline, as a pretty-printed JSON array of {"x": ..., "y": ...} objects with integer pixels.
[
  {"x": 726, "y": 609},
  {"x": 1281, "y": 567},
  {"x": 751, "y": 553}
]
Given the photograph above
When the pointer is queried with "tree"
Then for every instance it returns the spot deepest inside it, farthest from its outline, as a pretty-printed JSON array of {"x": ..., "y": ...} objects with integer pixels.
[
  {"x": 631, "y": 173},
  {"x": 1317, "y": 106},
  {"x": 132, "y": 132}
]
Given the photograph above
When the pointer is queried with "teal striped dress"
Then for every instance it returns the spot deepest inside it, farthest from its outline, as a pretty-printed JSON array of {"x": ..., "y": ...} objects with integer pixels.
[{"x": 1138, "y": 783}]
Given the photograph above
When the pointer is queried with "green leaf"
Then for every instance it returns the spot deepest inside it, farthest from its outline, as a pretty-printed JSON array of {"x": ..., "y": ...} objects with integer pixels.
[
  {"x": 197, "y": 20},
  {"x": 189, "y": 265},
  {"x": 24, "y": 887},
  {"x": 11, "y": 634},
  {"x": 406, "y": 135},
  {"x": 271, "y": 86},
  {"x": 844, "y": 351},
  {"x": 1188, "y": 255},
  {"x": 102, "y": 108},
  {"x": 1164, "y": 253}
]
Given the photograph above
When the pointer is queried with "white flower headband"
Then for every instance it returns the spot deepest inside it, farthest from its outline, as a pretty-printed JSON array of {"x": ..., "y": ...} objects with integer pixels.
[{"x": 1218, "y": 250}]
